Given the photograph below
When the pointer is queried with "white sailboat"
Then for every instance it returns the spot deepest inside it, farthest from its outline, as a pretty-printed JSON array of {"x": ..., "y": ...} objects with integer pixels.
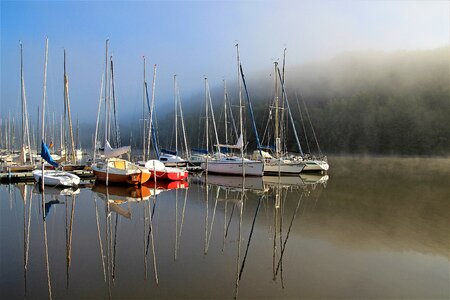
[
  {"x": 278, "y": 164},
  {"x": 114, "y": 169},
  {"x": 231, "y": 165},
  {"x": 312, "y": 163},
  {"x": 51, "y": 177}
]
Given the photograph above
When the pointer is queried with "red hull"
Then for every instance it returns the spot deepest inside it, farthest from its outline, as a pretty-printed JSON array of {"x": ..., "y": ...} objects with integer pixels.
[{"x": 173, "y": 176}]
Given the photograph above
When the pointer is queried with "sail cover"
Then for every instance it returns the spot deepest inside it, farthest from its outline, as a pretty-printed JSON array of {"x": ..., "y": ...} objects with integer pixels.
[
  {"x": 114, "y": 152},
  {"x": 238, "y": 145},
  {"x": 45, "y": 154}
]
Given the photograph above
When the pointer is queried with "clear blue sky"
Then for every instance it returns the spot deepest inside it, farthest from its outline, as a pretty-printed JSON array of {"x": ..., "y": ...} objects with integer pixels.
[{"x": 192, "y": 39}]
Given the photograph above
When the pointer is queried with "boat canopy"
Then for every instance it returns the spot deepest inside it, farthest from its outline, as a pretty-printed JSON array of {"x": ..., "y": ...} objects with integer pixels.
[
  {"x": 114, "y": 152},
  {"x": 239, "y": 144}
]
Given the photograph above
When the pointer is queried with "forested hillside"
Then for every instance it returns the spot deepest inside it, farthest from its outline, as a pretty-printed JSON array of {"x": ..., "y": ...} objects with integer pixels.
[
  {"x": 362, "y": 103},
  {"x": 374, "y": 103}
]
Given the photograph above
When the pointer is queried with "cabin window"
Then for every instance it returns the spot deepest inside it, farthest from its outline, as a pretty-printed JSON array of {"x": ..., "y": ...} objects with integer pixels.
[{"x": 120, "y": 165}]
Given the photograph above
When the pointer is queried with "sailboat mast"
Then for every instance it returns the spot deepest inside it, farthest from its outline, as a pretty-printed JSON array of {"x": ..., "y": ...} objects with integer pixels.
[
  {"x": 225, "y": 111},
  {"x": 241, "y": 127},
  {"x": 96, "y": 123},
  {"x": 182, "y": 124},
  {"x": 151, "y": 110},
  {"x": 44, "y": 95},
  {"x": 277, "y": 137},
  {"x": 290, "y": 114},
  {"x": 25, "y": 126},
  {"x": 22, "y": 94},
  {"x": 67, "y": 101},
  {"x": 106, "y": 93},
  {"x": 175, "y": 111},
  {"x": 206, "y": 115},
  {"x": 212, "y": 116},
  {"x": 143, "y": 116},
  {"x": 283, "y": 114}
]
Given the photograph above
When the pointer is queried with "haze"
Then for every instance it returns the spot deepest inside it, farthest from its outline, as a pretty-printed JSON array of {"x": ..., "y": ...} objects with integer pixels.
[{"x": 192, "y": 39}]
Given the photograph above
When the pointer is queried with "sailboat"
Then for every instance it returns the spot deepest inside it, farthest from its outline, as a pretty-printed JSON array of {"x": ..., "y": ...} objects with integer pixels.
[
  {"x": 171, "y": 158},
  {"x": 280, "y": 164},
  {"x": 313, "y": 164},
  {"x": 51, "y": 177},
  {"x": 23, "y": 162},
  {"x": 231, "y": 165},
  {"x": 157, "y": 168},
  {"x": 115, "y": 169}
]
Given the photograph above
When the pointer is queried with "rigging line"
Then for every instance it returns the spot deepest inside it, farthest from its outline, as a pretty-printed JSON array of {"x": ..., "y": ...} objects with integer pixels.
[
  {"x": 303, "y": 123},
  {"x": 116, "y": 125},
  {"x": 290, "y": 114},
  {"x": 233, "y": 122},
  {"x": 182, "y": 125},
  {"x": 310, "y": 124},
  {"x": 251, "y": 112}
]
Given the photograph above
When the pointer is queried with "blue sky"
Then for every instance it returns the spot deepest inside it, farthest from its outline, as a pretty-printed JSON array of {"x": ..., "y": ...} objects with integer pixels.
[{"x": 192, "y": 39}]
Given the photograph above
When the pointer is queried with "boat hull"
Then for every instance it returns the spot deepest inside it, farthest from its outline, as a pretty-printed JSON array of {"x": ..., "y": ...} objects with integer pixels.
[
  {"x": 175, "y": 175},
  {"x": 114, "y": 177},
  {"x": 251, "y": 168},
  {"x": 284, "y": 168},
  {"x": 56, "y": 178},
  {"x": 316, "y": 166}
]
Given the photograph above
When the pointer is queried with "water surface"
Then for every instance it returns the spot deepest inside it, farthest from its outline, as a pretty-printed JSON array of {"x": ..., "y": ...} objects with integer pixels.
[{"x": 373, "y": 228}]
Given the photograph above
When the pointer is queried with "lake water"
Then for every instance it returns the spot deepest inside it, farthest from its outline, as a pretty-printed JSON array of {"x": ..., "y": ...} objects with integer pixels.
[{"x": 373, "y": 228}]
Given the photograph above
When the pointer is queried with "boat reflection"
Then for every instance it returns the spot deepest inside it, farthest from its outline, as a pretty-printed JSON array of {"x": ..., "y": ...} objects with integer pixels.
[
  {"x": 245, "y": 196},
  {"x": 234, "y": 182},
  {"x": 314, "y": 179}
]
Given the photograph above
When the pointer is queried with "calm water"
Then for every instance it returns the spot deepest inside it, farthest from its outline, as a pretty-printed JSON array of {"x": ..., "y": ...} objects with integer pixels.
[{"x": 375, "y": 228}]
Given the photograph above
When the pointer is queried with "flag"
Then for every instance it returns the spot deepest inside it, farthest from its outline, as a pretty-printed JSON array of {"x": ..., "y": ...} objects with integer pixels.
[{"x": 45, "y": 154}]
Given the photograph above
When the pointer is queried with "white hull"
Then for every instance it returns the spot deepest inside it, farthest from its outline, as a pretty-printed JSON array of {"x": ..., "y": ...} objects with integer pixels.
[
  {"x": 234, "y": 167},
  {"x": 315, "y": 165},
  {"x": 56, "y": 178},
  {"x": 283, "y": 167}
]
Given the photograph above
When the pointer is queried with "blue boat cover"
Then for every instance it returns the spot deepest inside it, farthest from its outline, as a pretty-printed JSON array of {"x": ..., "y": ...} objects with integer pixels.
[
  {"x": 168, "y": 152},
  {"x": 45, "y": 154},
  {"x": 204, "y": 151}
]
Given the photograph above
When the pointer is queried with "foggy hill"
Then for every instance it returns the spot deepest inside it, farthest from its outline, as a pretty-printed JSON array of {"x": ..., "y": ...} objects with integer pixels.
[{"x": 359, "y": 102}]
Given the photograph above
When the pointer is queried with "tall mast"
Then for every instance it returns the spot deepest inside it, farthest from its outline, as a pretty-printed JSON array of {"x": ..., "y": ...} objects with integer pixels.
[
  {"x": 283, "y": 114},
  {"x": 114, "y": 102},
  {"x": 67, "y": 102},
  {"x": 277, "y": 137},
  {"x": 182, "y": 123},
  {"x": 98, "y": 118},
  {"x": 22, "y": 95},
  {"x": 25, "y": 125},
  {"x": 206, "y": 116},
  {"x": 44, "y": 95},
  {"x": 106, "y": 93},
  {"x": 225, "y": 110},
  {"x": 241, "y": 127},
  {"x": 151, "y": 108},
  {"x": 212, "y": 115},
  {"x": 175, "y": 111},
  {"x": 143, "y": 117}
]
